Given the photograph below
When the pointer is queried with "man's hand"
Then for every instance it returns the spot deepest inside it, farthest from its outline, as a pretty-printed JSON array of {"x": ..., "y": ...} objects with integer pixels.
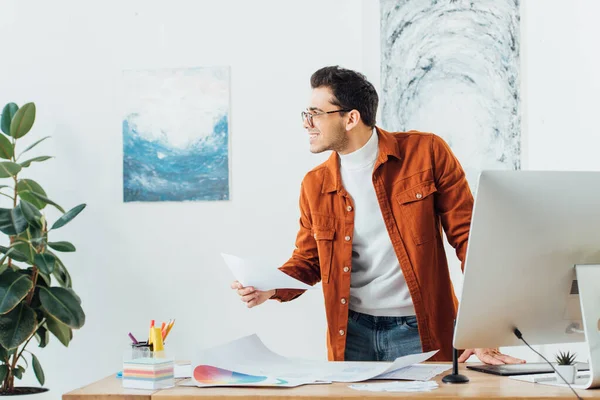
[
  {"x": 489, "y": 356},
  {"x": 251, "y": 296}
]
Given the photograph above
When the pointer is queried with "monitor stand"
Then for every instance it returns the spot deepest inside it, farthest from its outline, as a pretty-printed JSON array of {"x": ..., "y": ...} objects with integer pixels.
[{"x": 588, "y": 277}]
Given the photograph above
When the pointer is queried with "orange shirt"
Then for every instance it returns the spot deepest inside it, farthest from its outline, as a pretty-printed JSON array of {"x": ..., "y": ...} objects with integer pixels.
[{"x": 421, "y": 188}]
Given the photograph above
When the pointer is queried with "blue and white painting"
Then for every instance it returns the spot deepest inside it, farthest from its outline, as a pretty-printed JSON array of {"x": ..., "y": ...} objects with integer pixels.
[
  {"x": 176, "y": 134},
  {"x": 451, "y": 67}
]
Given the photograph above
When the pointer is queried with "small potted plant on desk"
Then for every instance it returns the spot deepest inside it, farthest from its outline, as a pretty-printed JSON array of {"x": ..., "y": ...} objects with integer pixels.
[{"x": 566, "y": 366}]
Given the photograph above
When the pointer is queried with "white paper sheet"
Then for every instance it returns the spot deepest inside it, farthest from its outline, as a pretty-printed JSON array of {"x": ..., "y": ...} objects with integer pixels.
[
  {"x": 261, "y": 277},
  {"x": 417, "y": 372},
  {"x": 249, "y": 355},
  {"x": 581, "y": 379},
  {"x": 182, "y": 371},
  {"x": 397, "y": 386}
]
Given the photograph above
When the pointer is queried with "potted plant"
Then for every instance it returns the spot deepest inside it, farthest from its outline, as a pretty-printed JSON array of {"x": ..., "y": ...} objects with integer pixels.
[
  {"x": 566, "y": 366},
  {"x": 36, "y": 295}
]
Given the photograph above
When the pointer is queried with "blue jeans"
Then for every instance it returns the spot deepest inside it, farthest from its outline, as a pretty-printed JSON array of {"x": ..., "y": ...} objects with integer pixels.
[{"x": 371, "y": 338}]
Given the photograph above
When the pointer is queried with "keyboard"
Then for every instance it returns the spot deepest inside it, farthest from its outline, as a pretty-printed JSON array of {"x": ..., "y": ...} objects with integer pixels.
[{"x": 520, "y": 369}]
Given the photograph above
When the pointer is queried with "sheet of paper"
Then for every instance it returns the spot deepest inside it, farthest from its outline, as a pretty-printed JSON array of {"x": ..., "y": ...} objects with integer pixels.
[
  {"x": 581, "y": 379},
  {"x": 209, "y": 376},
  {"x": 261, "y": 277},
  {"x": 182, "y": 371},
  {"x": 397, "y": 386},
  {"x": 291, "y": 383},
  {"x": 249, "y": 355},
  {"x": 417, "y": 372}
]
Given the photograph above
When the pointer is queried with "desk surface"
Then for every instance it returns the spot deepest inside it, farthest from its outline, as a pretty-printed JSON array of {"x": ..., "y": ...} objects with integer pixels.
[{"x": 482, "y": 386}]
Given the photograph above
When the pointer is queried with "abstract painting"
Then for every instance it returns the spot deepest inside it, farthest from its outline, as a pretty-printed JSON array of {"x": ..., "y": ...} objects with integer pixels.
[
  {"x": 451, "y": 67},
  {"x": 176, "y": 134}
]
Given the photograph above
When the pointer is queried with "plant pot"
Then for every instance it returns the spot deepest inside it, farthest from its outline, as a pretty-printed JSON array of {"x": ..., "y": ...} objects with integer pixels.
[
  {"x": 24, "y": 390},
  {"x": 569, "y": 372}
]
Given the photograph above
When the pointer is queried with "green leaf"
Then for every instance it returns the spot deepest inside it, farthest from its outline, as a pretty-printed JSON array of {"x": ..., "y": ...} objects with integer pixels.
[
  {"x": 27, "y": 242},
  {"x": 22, "y": 121},
  {"x": 7, "y": 115},
  {"x": 14, "y": 254},
  {"x": 25, "y": 188},
  {"x": 61, "y": 331},
  {"x": 18, "y": 372},
  {"x": 12, "y": 221},
  {"x": 14, "y": 287},
  {"x": 6, "y": 148},
  {"x": 65, "y": 247},
  {"x": 8, "y": 169},
  {"x": 3, "y": 372},
  {"x": 27, "y": 163},
  {"x": 46, "y": 200},
  {"x": 24, "y": 249},
  {"x": 62, "y": 274},
  {"x": 60, "y": 303},
  {"x": 37, "y": 368},
  {"x": 45, "y": 262},
  {"x": 43, "y": 279},
  {"x": 42, "y": 336},
  {"x": 34, "y": 235},
  {"x": 74, "y": 295},
  {"x": 68, "y": 216},
  {"x": 33, "y": 145},
  {"x": 31, "y": 213},
  {"x": 17, "y": 326}
]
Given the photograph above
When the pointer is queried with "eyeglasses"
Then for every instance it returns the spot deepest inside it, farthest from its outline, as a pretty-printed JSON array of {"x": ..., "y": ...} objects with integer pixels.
[{"x": 309, "y": 117}]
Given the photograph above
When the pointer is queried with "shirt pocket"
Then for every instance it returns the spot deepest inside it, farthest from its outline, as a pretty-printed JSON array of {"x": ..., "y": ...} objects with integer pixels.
[
  {"x": 417, "y": 209},
  {"x": 324, "y": 238}
]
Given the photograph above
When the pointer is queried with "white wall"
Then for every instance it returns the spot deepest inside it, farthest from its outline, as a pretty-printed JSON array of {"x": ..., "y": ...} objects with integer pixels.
[
  {"x": 561, "y": 82},
  {"x": 139, "y": 261}
]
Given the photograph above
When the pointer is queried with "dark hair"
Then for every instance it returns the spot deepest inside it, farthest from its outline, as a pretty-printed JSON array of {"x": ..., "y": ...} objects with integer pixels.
[{"x": 351, "y": 90}]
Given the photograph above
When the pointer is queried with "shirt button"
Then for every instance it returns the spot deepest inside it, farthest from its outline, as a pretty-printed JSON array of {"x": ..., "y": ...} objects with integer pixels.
[
  {"x": 315, "y": 235},
  {"x": 419, "y": 195},
  {"x": 343, "y": 301},
  {"x": 349, "y": 208},
  {"x": 346, "y": 269},
  {"x": 342, "y": 332},
  {"x": 347, "y": 238}
]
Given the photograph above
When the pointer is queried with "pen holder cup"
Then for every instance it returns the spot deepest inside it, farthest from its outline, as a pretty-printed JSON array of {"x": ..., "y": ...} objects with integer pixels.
[{"x": 147, "y": 369}]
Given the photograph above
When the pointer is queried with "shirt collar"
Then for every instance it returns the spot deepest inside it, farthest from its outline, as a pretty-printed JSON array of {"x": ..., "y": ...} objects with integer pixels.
[{"x": 388, "y": 147}]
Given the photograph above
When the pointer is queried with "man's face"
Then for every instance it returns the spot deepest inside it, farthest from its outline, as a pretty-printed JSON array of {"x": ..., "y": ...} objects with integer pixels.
[{"x": 327, "y": 131}]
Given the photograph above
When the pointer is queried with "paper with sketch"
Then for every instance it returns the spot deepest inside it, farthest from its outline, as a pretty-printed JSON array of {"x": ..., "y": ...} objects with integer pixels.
[
  {"x": 417, "y": 372},
  {"x": 260, "y": 277},
  {"x": 209, "y": 376},
  {"x": 250, "y": 356}
]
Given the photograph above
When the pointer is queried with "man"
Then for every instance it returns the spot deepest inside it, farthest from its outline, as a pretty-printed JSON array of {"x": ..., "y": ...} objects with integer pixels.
[{"x": 370, "y": 229}]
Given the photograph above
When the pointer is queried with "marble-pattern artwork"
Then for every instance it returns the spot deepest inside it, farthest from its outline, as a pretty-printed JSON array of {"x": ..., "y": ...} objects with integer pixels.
[
  {"x": 451, "y": 67},
  {"x": 176, "y": 134}
]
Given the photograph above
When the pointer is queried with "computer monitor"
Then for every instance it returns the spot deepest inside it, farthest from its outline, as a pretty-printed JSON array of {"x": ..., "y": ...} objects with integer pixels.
[{"x": 528, "y": 232}]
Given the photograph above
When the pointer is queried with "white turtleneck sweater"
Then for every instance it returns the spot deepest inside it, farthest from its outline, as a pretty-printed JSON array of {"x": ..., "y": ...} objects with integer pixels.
[{"x": 377, "y": 285}]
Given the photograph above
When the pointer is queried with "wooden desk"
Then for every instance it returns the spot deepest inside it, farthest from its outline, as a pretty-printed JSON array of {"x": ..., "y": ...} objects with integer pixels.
[{"x": 482, "y": 386}]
